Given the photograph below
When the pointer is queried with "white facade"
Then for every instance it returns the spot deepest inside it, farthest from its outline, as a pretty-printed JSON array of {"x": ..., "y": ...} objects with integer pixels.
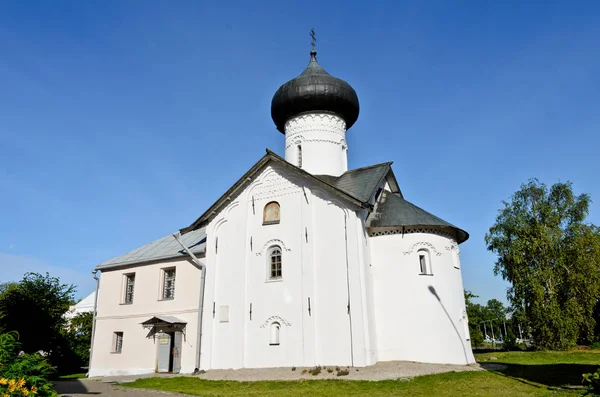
[
  {"x": 312, "y": 240},
  {"x": 300, "y": 263},
  {"x": 419, "y": 317},
  {"x": 346, "y": 296}
]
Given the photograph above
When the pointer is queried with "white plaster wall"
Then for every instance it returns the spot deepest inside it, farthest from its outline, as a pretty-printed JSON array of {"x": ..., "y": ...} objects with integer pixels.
[
  {"x": 312, "y": 239},
  {"x": 412, "y": 323},
  {"x": 322, "y": 137},
  {"x": 139, "y": 353}
]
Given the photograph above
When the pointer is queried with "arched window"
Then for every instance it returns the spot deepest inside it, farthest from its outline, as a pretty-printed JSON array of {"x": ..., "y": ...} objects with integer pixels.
[
  {"x": 299, "y": 156},
  {"x": 271, "y": 213},
  {"x": 275, "y": 272},
  {"x": 275, "y": 331},
  {"x": 424, "y": 262}
]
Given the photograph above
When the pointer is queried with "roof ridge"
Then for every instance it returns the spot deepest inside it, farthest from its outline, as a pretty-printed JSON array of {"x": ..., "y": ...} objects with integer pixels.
[
  {"x": 389, "y": 163},
  {"x": 270, "y": 155}
]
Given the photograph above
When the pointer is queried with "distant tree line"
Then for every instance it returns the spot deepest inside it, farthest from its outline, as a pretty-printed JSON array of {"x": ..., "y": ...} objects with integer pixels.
[
  {"x": 34, "y": 310},
  {"x": 550, "y": 256}
]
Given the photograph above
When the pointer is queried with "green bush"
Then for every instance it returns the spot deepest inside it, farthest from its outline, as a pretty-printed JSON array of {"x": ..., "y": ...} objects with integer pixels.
[
  {"x": 592, "y": 383},
  {"x": 23, "y": 374}
]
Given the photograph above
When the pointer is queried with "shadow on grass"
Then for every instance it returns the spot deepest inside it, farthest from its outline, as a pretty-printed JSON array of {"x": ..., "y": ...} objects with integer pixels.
[{"x": 551, "y": 375}]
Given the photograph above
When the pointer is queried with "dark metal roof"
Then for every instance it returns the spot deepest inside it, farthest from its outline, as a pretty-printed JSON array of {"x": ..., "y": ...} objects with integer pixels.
[
  {"x": 223, "y": 201},
  {"x": 393, "y": 211},
  {"x": 361, "y": 182},
  {"x": 314, "y": 90}
]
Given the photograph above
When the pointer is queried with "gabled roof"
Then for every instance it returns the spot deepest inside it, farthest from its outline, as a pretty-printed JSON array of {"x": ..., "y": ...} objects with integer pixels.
[
  {"x": 361, "y": 182},
  {"x": 393, "y": 211},
  {"x": 164, "y": 248},
  {"x": 247, "y": 178}
]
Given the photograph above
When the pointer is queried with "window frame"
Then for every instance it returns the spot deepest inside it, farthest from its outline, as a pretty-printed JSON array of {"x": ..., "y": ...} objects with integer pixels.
[
  {"x": 117, "y": 348},
  {"x": 299, "y": 152},
  {"x": 274, "y": 221},
  {"x": 126, "y": 278},
  {"x": 163, "y": 284},
  {"x": 278, "y": 269},
  {"x": 424, "y": 258},
  {"x": 275, "y": 336}
]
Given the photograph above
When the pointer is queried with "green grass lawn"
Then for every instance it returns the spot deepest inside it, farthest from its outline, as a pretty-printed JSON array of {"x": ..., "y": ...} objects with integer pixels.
[{"x": 522, "y": 374}]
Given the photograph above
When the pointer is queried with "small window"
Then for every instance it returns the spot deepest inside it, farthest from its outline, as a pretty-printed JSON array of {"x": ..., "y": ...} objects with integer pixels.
[
  {"x": 299, "y": 156},
  {"x": 117, "y": 342},
  {"x": 424, "y": 263},
  {"x": 275, "y": 330},
  {"x": 168, "y": 290},
  {"x": 271, "y": 213},
  {"x": 129, "y": 287},
  {"x": 275, "y": 272}
]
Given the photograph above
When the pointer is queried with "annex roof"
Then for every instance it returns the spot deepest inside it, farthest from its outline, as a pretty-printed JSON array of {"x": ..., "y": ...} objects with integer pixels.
[
  {"x": 361, "y": 182},
  {"x": 393, "y": 211},
  {"x": 163, "y": 248}
]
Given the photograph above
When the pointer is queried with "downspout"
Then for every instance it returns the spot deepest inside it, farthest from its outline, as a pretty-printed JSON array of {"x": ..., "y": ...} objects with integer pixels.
[
  {"x": 202, "y": 268},
  {"x": 94, "y": 320}
]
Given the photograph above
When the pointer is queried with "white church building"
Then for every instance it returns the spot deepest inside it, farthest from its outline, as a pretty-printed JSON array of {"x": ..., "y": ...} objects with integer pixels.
[{"x": 302, "y": 262}]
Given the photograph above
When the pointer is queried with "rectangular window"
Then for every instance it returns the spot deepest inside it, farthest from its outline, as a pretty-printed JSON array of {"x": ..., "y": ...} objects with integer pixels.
[
  {"x": 129, "y": 286},
  {"x": 276, "y": 264},
  {"x": 423, "y": 263},
  {"x": 168, "y": 290},
  {"x": 117, "y": 342}
]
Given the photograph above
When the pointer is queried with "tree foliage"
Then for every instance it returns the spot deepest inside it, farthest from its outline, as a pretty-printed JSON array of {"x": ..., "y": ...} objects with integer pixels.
[
  {"x": 79, "y": 336},
  {"x": 551, "y": 257},
  {"x": 34, "y": 308},
  {"x": 493, "y": 314}
]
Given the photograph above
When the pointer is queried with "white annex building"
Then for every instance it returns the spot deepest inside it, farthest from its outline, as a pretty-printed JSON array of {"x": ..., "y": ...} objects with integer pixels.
[{"x": 302, "y": 262}]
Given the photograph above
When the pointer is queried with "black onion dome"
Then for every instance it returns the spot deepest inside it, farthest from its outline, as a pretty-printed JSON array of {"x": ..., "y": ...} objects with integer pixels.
[{"x": 314, "y": 90}]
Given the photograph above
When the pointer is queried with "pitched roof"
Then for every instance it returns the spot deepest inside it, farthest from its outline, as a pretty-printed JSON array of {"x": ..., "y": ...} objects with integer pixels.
[
  {"x": 247, "y": 177},
  {"x": 361, "y": 182},
  {"x": 393, "y": 211},
  {"x": 357, "y": 186},
  {"x": 164, "y": 248}
]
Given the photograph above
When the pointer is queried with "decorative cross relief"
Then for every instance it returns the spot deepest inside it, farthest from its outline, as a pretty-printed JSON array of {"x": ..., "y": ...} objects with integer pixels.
[
  {"x": 422, "y": 244},
  {"x": 278, "y": 319},
  {"x": 274, "y": 241}
]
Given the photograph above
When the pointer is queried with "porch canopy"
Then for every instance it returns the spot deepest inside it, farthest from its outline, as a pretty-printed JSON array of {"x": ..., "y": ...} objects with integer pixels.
[{"x": 163, "y": 324}]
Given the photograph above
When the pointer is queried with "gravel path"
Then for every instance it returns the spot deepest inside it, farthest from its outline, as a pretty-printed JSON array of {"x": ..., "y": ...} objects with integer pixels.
[{"x": 379, "y": 371}]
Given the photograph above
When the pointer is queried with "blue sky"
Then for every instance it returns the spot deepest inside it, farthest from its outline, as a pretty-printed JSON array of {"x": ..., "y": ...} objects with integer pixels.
[{"x": 122, "y": 121}]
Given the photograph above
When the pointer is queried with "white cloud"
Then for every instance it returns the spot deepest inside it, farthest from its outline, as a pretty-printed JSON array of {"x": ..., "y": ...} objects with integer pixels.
[{"x": 13, "y": 267}]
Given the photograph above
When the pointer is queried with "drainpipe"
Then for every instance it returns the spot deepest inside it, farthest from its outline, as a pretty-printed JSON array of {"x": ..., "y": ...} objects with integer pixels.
[
  {"x": 94, "y": 320},
  {"x": 202, "y": 268}
]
